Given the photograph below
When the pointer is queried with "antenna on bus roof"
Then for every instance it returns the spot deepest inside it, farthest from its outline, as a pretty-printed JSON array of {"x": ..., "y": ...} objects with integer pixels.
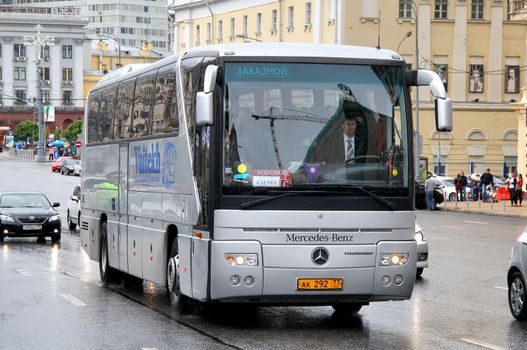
[{"x": 379, "y": 32}]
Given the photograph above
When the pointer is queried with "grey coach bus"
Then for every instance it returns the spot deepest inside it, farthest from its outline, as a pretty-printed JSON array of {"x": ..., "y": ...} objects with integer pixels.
[{"x": 261, "y": 173}]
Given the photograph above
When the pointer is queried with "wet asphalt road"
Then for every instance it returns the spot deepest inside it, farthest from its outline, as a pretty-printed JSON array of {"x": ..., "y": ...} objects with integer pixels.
[{"x": 51, "y": 296}]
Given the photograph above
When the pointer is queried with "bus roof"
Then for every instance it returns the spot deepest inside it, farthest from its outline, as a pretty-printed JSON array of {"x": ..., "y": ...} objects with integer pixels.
[{"x": 297, "y": 50}]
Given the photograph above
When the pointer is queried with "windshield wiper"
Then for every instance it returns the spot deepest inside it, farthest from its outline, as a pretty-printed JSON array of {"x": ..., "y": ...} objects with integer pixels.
[
  {"x": 256, "y": 202},
  {"x": 379, "y": 199}
]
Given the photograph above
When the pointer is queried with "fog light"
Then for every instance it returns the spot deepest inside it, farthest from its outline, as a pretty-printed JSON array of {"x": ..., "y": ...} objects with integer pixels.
[
  {"x": 240, "y": 260},
  {"x": 248, "y": 281},
  {"x": 385, "y": 280},
  {"x": 423, "y": 256},
  {"x": 235, "y": 280},
  {"x": 55, "y": 230},
  {"x": 385, "y": 260},
  {"x": 395, "y": 259},
  {"x": 6, "y": 232},
  {"x": 251, "y": 260},
  {"x": 398, "y": 279}
]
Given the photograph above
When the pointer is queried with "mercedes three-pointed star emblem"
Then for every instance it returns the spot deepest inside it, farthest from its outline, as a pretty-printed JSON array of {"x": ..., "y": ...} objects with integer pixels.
[{"x": 320, "y": 256}]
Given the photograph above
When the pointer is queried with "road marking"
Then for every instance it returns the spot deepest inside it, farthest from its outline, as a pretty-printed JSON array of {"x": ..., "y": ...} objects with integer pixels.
[
  {"x": 148, "y": 348},
  {"x": 72, "y": 299},
  {"x": 476, "y": 222},
  {"x": 482, "y": 344},
  {"x": 504, "y": 288},
  {"x": 23, "y": 272},
  {"x": 435, "y": 237}
]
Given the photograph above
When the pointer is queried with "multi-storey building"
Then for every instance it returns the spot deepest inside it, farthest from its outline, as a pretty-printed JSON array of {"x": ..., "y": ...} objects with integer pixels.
[
  {"x": 479, "y": 47},
  {"x": 61, "y": 65}
]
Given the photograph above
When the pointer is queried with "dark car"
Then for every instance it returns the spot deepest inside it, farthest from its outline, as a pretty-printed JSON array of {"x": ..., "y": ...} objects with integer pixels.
[
  {"x": 28, "y": 214},
  {"x": 68, "y": 166},
  {"x": 420, "y": 196}
]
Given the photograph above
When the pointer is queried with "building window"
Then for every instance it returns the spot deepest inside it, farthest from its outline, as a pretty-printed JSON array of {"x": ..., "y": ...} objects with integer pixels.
[
  {"x": 308, "y": 13},
  {"x": 258, "y": 23},
  {"x": 477, "y": 165},
  {"x": 0, "y": 50},
  {"x": 66, "y": 96},
  {"x": 19, "y": 50},
  {"x": 209, "y": 34},
  {"x": 20, "y": 73},
  {"x": 511, "y": 164},
  {"x": 67, "y": 51},
  {"x": 67, "y": 74},
  {"x": 198, "y": 39},
  {"x": 476, "y": 81},
  {"x": 44, "y": 53},
  {"x": 405, "y": 9},
  {"x": 477, "y": 8},
  {"x": 290, "y": 16},
  {"x": 476, "y": 135},
  {"x": 441, "y": 9},
  {"x": 20, "y": 96},
  {"x": 45, "y": 73},
  {"x": 274, "y": 19},
  {"x": 244, "y": 26},
  {"x": 45, "y": 96},
  {"x": 233, "y": 28},
  {"x": 440, "y": 162},
  {"x": 220, "y": 31}
]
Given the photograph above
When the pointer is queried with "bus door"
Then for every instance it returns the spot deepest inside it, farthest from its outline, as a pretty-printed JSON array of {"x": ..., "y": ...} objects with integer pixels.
[{"x": 123, "y": 208}]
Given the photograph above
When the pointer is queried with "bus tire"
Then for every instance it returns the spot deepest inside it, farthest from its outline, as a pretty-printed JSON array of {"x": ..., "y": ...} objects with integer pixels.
[
  {"x": 179, "y": 302},
  {"x": 348, "y": 308},
  {"x": 419, "y": 272},
  {"x": 71, "y": 224},
  {"x": 108, "y": 274}
]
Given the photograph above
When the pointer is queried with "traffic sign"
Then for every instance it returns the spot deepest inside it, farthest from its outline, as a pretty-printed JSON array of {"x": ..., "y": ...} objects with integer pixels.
[{"x": 78, "y": 144}]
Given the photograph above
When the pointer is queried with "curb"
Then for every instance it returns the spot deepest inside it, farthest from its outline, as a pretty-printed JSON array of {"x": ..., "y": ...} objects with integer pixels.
[{"x": 481, "y": 212}]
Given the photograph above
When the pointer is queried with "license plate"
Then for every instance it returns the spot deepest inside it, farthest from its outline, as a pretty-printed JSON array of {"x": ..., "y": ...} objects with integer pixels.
[
  {"x": 32, "y": 227},
  {"x": 319, "y": 283}
]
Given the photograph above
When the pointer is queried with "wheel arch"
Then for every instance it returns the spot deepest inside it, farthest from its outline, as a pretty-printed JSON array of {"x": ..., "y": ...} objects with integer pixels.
[{"x": 511, "y": 272}]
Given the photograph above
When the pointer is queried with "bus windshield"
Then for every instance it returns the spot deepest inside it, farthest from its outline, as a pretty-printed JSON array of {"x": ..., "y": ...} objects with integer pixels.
[{"x": 299, "y": 126}]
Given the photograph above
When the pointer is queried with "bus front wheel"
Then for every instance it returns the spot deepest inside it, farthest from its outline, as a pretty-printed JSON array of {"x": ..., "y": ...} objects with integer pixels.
[
  {"x": 351, "y": 308},
  {"x": 178, "y": 301}
]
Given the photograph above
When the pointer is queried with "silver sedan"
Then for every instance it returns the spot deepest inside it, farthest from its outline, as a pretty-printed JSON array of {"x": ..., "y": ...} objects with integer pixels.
[
  {"x": 516, "y": 278},
  {"x": 422, "y": 250}
]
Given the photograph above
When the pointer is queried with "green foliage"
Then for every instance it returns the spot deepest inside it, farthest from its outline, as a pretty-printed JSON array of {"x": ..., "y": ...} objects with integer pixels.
[
  {"x": 24, "y": 130},
  {"x": 58, "y": 133},
  {"x": 72, "y": 131}
]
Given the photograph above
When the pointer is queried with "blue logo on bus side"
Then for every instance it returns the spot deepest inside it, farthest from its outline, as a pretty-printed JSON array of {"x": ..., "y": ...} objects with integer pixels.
[
  {"x": 147, "y": 161},
  {"x": 169, "y": 165}
]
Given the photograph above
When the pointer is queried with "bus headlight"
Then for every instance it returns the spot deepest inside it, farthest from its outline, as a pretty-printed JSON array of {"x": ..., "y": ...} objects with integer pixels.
[
  {"x": 393, "y": 259},
  {"x": 419, "y": 237},
  {"x": 54, "y": 218},
  {"x": 242, "y": 259}
]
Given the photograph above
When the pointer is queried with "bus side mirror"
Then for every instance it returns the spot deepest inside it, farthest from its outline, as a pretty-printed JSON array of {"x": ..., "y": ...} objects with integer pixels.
[
  {"x": 204, "y": 99},
  {"x": 443, "y": 114}
]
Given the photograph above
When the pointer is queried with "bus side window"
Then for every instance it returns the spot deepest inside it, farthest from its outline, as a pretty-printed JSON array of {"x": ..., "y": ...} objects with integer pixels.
[
  {"x": 165, "y": 114},
  {"x": 93, "y": 111}
]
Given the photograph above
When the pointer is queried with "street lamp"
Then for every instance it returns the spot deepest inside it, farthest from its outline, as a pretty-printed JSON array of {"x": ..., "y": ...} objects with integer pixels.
[
  {"x": 114, "y": 38},
  {"x": 407, "y": 35},
  {"x": 245, "y": 37},
  {"x": 39, "y": 41}
]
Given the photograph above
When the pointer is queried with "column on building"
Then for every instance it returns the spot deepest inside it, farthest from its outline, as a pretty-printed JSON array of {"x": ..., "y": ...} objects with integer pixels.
[
  {"x": 495, "y": 81},
  {"x": 188, "y": 34},
  {"x": 521, "y": 113},
  {"x": 77, "y": 95},
  {"x": 175, "y": 37},
  {"x": 424, "y": 44},
  {"x": 55, "y": 73},
  {"x": 340, "y": 27},
  {"x": 458, "y": 82},
  {"x": 7, "y": 71},
  {"x": 31, "y": 72},
  {"x": 317, "y": 21}
]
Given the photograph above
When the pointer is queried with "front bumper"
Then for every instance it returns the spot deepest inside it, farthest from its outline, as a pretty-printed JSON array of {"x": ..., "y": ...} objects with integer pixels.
[
  {"x": 422, "y": 254},
  {"x": 280, "y": 266},
  {"x": 48, "y": 229}
]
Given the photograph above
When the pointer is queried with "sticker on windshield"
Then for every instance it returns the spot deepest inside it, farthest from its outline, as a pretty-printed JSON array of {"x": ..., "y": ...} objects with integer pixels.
[
  {"x": 395, "y": 172},
  {"x": 271, "y": 178}
]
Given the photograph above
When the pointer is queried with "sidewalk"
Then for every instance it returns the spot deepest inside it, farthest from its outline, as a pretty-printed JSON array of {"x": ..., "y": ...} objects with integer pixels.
[{"x": 501, "y": 208}]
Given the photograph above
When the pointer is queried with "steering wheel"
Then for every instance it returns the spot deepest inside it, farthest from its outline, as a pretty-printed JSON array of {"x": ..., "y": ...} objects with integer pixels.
[{"x": 352, "y": 159}]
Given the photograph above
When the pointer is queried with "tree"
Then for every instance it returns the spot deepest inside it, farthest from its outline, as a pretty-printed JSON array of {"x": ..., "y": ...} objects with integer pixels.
[
  {"x": 73, "y": 130},
  {"x": 58, "y": 133},
  {"x": 24, "y": 130}
]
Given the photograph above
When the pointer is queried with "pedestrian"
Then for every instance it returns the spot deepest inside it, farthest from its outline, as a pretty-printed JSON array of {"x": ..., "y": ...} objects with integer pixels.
[
  {"x": 486, "y": 180},
  {"x": 464, "y": 183},
  {"x": 457, "y": 183},
  {"x": 51, "y": 153},
  {"x": 519, "y": 189},
  {"x": 511, "y": 181},
  {"x": 430, "y": 185},
  {"x": 476, "y": 180}
]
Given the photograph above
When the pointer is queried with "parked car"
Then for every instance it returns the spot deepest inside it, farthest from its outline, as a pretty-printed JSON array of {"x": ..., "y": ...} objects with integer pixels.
[
  {"x": 516, "y": 274},
  {"x": 28, "y": 214},
  {"x": 498, "y": 190},
  {"x": 57, "y": 163},
  {"x": 422, "y": 250},
  {"x": 449, "y": 187},
  {"x": 74, "y": 209},
  {"x": 420, "y": 195},
  {"x": 68, "y": 166},
  {"x": 77, "y": 169}
]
